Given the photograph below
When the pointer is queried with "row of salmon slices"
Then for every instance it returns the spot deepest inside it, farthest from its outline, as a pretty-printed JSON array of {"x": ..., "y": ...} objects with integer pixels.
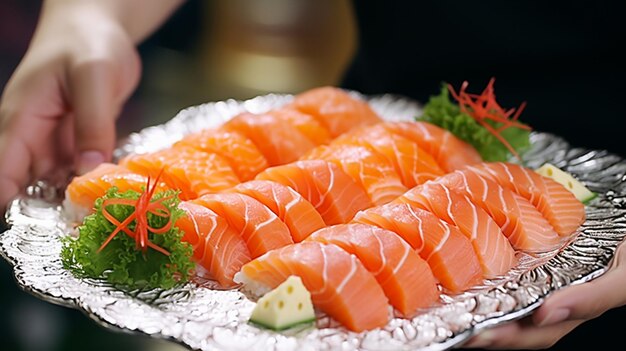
[
  {"x": 445, "y": 235},
  {"x": 366, "y": 212},
  {"x": 215, "y": 159}
]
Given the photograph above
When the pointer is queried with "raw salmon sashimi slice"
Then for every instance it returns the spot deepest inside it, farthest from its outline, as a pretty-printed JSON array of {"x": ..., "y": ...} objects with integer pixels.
[
  {"x": 259, "y": 227},
  {"x": 560, "y": 207},
  {"x": 217, "y": 248},
  {"x": 413, "y": 164},
  {"x": 295, "y": 211},
  {"x": 82, "y": 191},
  {"x": 524, "y": 226},
  {"x": 191, "y": 171},
  {"x": 329, "y": 189},
  {"x": 305, "y": 123},
  {"x": 404, "y": 276},
  {"x": 450, "y": 152},
  {"x": 280, "y": 142},
  {"x": 242, "y": 155},
  {"x": 448, "y": 252},
  {"x": 372, "y": 171},
  {"x": 339, "y": 284},
  {"x": 494, "y": 251},
  {"x": 335, "y": 109}
]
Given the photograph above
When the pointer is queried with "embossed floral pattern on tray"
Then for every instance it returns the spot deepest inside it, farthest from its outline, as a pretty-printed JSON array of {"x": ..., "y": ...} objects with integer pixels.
[{"x": 199, "y": 316}]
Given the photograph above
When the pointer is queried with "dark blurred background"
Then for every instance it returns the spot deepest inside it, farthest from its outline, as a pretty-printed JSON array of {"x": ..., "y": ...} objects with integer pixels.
[{"x": 560, "y": 57}]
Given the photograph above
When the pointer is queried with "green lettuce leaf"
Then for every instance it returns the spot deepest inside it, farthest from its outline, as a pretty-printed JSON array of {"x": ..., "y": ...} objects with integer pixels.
[
  {"x": 120, "y": 262},
  {"x": 443, "y": 112}
]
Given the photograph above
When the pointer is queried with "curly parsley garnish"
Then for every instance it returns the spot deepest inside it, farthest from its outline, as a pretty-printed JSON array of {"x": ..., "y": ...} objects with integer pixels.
[
  {"x": 131, "y": 240},
  {"x": 480, "y": 121}
]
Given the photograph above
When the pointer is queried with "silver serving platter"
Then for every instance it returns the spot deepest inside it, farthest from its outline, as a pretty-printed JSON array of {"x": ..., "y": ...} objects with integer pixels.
[{"x": 201, "y": 317}]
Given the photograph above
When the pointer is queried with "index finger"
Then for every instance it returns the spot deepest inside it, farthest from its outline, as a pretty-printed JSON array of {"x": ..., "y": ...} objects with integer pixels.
[{"x": 15, "y": 160}]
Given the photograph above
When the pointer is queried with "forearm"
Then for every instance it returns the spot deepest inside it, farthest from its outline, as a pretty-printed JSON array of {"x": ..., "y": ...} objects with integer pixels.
[{"x": 138, "y": 18}]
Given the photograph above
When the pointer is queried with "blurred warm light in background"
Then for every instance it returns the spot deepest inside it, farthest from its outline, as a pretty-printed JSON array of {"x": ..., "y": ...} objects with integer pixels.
[
  {"x": 252, "y": 47},
  {"x": 260, "y": 46}
]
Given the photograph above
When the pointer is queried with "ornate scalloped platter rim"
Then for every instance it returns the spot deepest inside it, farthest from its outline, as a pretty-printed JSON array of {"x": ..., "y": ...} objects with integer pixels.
[{"x": 199, "y": 317}]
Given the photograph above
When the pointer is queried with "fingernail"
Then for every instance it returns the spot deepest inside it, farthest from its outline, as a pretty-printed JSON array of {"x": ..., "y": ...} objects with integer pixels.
[
  {"x": 554, "y": 317},
  {"x": 481, "y": 340},
  {"x": 88, "y": 160}
]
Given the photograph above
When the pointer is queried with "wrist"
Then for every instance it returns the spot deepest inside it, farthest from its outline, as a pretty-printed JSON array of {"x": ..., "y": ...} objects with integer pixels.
[
  {"x": 62, "y": 18},
  {"x": 138, "y": 18}
]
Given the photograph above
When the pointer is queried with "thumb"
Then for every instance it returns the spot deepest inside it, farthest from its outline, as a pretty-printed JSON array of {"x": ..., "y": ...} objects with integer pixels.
[
  {"x": 588, "y": 300},
  {"x": 95, "y": 104}
]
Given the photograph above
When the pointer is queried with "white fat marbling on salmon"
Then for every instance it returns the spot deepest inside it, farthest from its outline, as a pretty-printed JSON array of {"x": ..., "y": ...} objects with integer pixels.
[
  {"x": 521, "y": 222},
  {"x": 405, "y": 255},
  {"x": 381, "y": 253},
  {"x": 367, "y": 168},
  {"x": 559, "y": 206},
  {"x": 441, "y": 242},
  {"x": 420, "y": 227},
  {"x": 349, "y": 276},
  {"x": 491, "y": 246}
]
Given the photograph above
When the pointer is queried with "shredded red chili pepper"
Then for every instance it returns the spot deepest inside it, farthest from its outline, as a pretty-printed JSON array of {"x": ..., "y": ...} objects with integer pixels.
[
  {"x": 143, "y": 205},
  {"x": 484, "y": 107}
]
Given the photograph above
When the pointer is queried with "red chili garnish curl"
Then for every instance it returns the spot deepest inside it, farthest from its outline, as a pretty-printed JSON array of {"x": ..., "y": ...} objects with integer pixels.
[
  {"x": 143, "y": 205},
  {"x": 484, "y": 107}
]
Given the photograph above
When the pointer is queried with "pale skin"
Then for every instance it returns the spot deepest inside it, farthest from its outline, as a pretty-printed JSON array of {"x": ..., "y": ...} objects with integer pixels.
[
  {"x": 59, "y": 108},
  {"x": 562, "y": 311}
]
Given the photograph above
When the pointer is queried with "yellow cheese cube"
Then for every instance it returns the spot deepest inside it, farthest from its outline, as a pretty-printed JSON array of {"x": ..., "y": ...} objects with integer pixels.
[{"x": 289, "y": 304}]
